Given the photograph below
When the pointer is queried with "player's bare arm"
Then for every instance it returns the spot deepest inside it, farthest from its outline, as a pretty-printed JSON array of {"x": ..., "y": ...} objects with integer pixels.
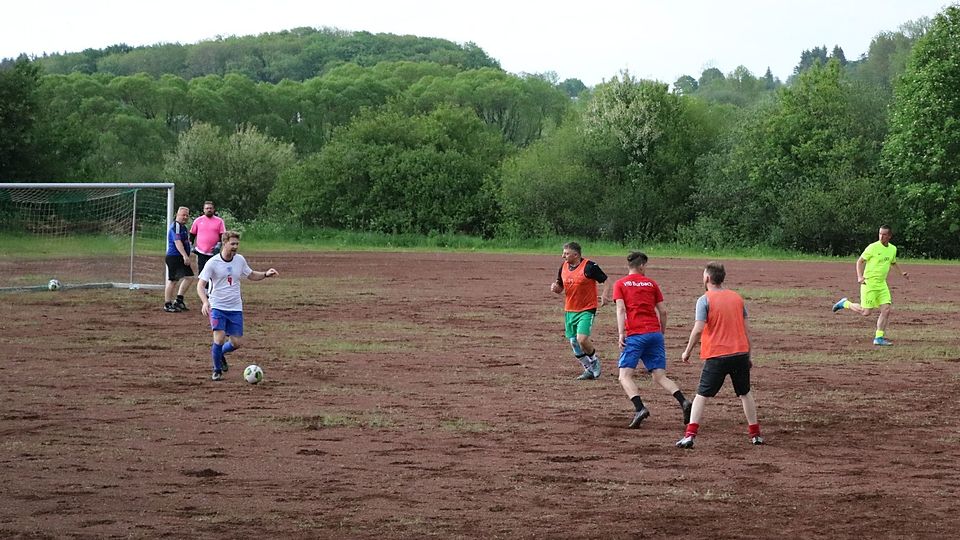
[
  {"x": 662, "y": 315},
  {"x": 257, "y": 276},
  {"x": 694, "y": 339},
  {"x": 202, "y": 293},
  {"x": 621, "y": 323},
  {"x": 861, "y": 265},
  {"x": 902, "y": 272}
]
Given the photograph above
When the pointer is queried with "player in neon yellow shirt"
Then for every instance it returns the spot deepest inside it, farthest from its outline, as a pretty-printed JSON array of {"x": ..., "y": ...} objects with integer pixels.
[{"x": 872, "y": 268}]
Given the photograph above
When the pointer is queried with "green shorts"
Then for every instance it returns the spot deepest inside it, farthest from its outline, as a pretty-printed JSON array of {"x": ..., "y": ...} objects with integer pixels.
[
  {"x": 874, "y": 296},
  {"x": 578, "y": 322}
]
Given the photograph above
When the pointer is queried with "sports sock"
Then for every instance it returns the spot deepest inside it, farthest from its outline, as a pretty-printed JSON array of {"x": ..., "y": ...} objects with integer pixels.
[
  {"x": 879, "y": 333},
  {"x": 180, "y": 298},
  {"x": 637, "y": 402},
  {"x": 228, "y": 347},
  {"x": 846, "y": 304},
  {"x": 754, "y": 429},
  {"x": 216, "y": 352},
  {"x": 678, "y": 395},
  {"x": 692, "y": 430}
]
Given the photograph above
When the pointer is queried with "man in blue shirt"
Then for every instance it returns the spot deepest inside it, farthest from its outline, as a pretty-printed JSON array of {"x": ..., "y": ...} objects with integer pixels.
[{"x": 179, "y": 265}]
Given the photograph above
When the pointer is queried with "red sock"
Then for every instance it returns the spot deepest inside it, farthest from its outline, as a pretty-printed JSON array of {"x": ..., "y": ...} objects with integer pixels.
[
  {"x": 754, "y": 429},
  {"x": 692, "y": 429}
]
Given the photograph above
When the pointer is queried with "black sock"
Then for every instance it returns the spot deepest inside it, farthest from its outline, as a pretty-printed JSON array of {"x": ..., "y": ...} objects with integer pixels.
[
  {"x": 167, "y": 304},
  {"x": 678, "y": 395},
  {"x": 180, "y": 298},
  {"x": 637, "y": 402}
]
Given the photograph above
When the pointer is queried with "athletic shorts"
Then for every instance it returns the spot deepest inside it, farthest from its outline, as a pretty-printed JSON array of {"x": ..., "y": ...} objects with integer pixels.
[
  {"x": 202, "y": 259},
  {"x": 177, "y": 269},
  {"x": 874, "y": 296},
  {"x": 646, "y": 347},
  {"x": 230, "y": 322},
  {"x": 578, "y": 322},
  {"x": 715, "y": 370}
]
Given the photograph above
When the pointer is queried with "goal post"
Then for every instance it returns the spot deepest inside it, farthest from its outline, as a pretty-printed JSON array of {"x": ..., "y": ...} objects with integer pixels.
[{"x": 86, "y": 235}]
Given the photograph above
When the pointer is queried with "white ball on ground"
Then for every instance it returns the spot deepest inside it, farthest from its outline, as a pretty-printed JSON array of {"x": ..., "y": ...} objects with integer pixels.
[
  {"x": 253, "y": 374},
  {"x": 54, "y": 285}
]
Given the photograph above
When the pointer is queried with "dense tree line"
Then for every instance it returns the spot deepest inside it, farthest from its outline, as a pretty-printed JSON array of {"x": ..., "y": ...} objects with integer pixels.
[
  {"x": 409, "y": 144},
  {"x": 298, "y": 55}
]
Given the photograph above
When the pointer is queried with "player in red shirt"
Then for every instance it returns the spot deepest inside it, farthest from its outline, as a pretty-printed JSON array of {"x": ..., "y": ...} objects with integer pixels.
[
  {"x": 641, "y": 320},
  {"x": 725, "y": 350}
]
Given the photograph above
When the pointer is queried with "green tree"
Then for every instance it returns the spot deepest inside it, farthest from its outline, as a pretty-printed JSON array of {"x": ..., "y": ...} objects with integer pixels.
[
  {"x": 19, "y": 108},
  {"x": 390, "y": 172},
  {"x": 238, "y": 171},
  {"x": 801, "y": 172},
  {"x": 922, "y": 152}
]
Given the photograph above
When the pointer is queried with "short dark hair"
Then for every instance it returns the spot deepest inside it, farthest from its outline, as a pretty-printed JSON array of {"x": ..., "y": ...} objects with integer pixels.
[
  {"x": 574, "y": 246},
  {"x": 208, "y": 202},
  {"x": 886, "y": 228},
  {"x": 636, "y": 259},
  {"x": 716, "y": 272}
]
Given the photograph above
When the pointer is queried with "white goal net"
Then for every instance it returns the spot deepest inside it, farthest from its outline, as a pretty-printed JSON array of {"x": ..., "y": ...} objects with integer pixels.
[{"x": 83, "y": 235}]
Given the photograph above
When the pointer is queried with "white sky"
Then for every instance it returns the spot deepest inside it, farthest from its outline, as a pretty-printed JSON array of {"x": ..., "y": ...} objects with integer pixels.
[{"x": 591, "y": 41}]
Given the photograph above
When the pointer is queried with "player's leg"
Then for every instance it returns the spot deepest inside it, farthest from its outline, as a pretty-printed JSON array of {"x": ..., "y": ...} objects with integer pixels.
[
  {"x": 629, "y": 359},
  {"x": 570, "y": 331},
  {"x": 185, "y": 284},
  {"x": 711, "y": 380},
  {"x": 740, "y": 376},
  {"x": 880, "y": 337},
  {"x": 234, "y": 329},
  {"x": 171, "y": 284},
  {"x": 584, "y": 327},
  {"x": 216, "y": 351}
]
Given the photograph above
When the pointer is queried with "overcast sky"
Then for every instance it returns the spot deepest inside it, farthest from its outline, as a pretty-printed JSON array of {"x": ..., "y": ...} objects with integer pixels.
[{"x": 591, "y": 41}]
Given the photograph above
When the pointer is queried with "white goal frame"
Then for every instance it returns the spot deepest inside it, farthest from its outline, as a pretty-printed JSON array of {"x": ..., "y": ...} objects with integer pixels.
[{"x": 171, "y": 210}]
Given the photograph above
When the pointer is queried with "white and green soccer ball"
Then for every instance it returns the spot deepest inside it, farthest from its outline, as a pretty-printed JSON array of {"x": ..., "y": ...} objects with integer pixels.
[
  {"x": 54, "y": 285},
  {"x": 253, "y": 374}
]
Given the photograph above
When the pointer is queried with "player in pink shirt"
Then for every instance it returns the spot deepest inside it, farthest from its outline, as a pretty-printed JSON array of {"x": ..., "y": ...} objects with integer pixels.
[
  {"x": 205, "y": 234},
  {"x": 641, "y": 320}
]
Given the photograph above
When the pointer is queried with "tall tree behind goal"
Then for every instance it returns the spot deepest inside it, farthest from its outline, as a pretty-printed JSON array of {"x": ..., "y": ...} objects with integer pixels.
[{"x": 86, "y": 235}]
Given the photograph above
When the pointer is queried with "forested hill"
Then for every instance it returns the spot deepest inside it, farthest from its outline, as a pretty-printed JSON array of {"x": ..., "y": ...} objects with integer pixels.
[{"x": 299, "y": 54}]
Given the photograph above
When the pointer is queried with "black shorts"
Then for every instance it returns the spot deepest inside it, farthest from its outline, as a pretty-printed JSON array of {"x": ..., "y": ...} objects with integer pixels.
[
  {"x": 715, "y": 370},
  {"x": 202, "y": 259},
  {"x": 176, "y": 269}
]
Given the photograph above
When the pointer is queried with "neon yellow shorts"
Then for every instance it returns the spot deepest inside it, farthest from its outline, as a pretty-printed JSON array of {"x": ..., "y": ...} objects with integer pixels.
[
  {"x": 874, "y": 297},
  {"x": 578, "y": 322}
]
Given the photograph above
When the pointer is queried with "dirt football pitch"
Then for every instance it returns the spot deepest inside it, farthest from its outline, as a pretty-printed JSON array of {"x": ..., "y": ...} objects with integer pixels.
[{"x": 423, "y": 395}]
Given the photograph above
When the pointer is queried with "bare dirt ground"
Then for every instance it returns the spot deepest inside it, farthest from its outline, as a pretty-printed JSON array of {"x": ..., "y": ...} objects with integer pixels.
[{"x": 412, "y": 395}]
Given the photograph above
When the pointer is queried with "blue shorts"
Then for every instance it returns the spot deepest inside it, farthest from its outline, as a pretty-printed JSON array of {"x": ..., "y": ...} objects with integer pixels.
[
  {"x": 647, "y": 347},
  {"x": 230, "y": 322}
]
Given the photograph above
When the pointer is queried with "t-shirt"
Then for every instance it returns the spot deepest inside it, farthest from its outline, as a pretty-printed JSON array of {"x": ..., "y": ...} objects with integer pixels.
[
  {"x": 879, "y": 258},
  {"x": 208, "y": 231},
  {"x": 224, "y": 278},
  {"x": 640, "y": 296},
  {"x": 178, "y": 231}
]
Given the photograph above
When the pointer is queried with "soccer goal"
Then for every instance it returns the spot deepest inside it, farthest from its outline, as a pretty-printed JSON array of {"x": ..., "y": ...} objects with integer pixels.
[{"x": 85, "y": 235}]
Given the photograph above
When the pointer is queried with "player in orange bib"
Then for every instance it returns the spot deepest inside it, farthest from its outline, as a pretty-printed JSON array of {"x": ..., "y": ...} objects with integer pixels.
[
  {"x": 721, "y": 327},
  {"x": 577, "y": 279}
]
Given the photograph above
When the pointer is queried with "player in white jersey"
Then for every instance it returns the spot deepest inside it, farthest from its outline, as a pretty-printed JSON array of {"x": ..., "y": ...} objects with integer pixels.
[{"x": 223, "y": 304}]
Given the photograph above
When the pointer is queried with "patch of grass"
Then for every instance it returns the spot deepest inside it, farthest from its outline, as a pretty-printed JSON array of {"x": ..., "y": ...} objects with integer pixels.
[
  {"x": 331, "y": 420},
  {"x": 781, "y": 294},
  {"x": 463, "y": 425},
  {"x": 927, "y": 308}
]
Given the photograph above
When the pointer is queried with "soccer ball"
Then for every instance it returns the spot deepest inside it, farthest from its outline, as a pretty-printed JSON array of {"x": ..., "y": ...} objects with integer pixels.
[
  {"x": 253, "y": 374},
  {"x": 54, "y": 285}
]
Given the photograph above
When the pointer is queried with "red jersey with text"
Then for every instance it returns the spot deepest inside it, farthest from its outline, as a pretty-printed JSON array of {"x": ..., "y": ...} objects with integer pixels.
[
  {"x": 725, "y": 333},
  {"x": 640, "y": 296}
]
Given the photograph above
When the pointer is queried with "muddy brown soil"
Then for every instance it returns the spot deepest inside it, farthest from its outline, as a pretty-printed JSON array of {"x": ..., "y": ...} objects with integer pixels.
[{"x": 413, "y": 395}]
